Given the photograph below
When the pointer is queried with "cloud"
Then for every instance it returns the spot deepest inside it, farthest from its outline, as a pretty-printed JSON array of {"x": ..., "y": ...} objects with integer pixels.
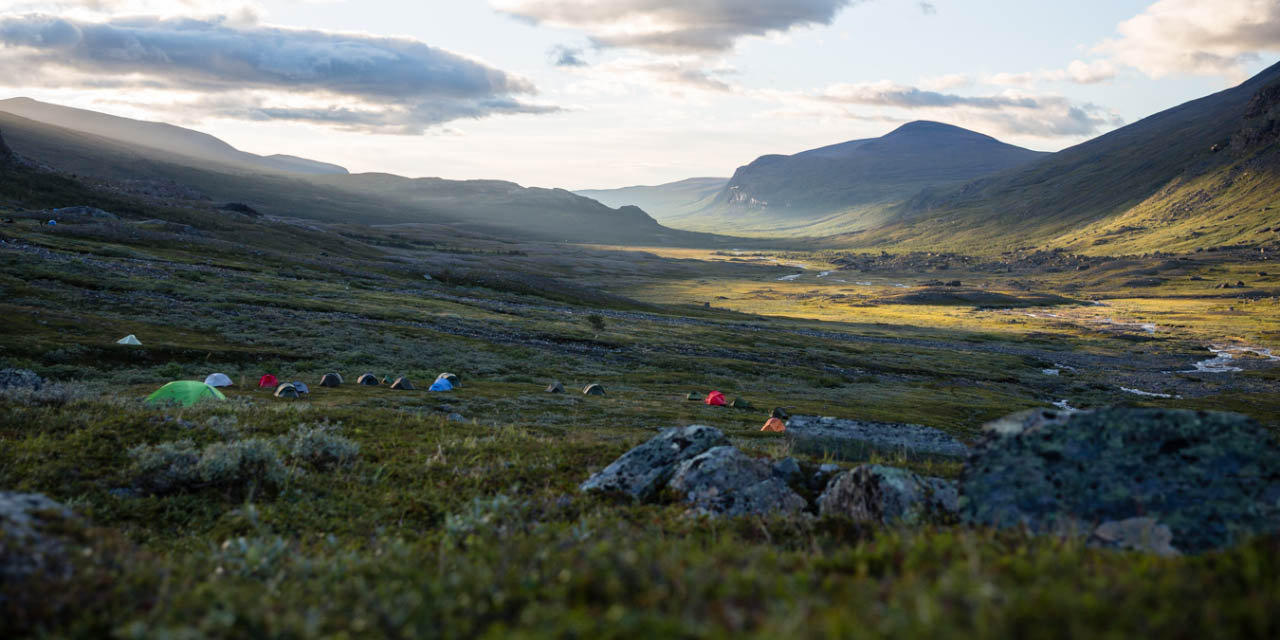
[
  {"x": 927, "y": 8},
  {"x": 565, "y": 56},
  {"x": 1197, "y": 37},
  {"x": 1078, "y": 72},
  {"x": 675, "y": 25},
  {"x": 365, "y": 82},
  {"x": 1006, "y": 114}
]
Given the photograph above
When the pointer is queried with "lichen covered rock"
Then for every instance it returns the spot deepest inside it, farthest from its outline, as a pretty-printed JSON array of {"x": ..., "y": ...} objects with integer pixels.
[
  {"x": 29, "y": 538},
  {"x": 725, "y": 481},
  {"x": 888, "y": 495},
  {"x": 1211, "y": 478},
  {"x": 644, "y": 470}
]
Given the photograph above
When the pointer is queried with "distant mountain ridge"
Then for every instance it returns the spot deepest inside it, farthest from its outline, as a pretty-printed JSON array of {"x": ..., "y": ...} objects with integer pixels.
[
  {"x": 665, "y": 202},
  {"x": 160, "y": 136}
]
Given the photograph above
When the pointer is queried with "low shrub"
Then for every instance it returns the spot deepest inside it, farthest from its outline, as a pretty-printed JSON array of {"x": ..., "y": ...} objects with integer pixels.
[
  {"x": 319, "y": 447},
  {"x": 238, "y": 467}
]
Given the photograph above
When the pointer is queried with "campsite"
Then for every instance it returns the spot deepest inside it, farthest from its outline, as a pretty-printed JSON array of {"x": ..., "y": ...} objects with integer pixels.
[{"x": 311, "y": 329}]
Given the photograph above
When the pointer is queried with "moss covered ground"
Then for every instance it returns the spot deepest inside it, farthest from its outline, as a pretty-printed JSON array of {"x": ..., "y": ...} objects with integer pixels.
[{"x": 475, "y": 528}]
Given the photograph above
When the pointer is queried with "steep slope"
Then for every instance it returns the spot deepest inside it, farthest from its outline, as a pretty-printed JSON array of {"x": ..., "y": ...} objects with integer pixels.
[
  {"x": 665, "y": 202},
  {"x": 160, "y": 136},
  {"x": 1162, "y": 167},
  {"x": 502, "y": 209},
  {"x": 852, "y": 185}
]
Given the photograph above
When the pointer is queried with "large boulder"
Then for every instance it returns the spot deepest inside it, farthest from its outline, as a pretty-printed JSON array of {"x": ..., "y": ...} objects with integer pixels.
[
  {"x": 1211, "y": 478},
  {"x": 20, "y": 379},
  {"x": 726, "y": 481},
  {"x": 888, "y": 495},
  {"x": 30, "y": 540},
  {"x": 644, "y": 470},
  {"x": 856, "y": 438}
]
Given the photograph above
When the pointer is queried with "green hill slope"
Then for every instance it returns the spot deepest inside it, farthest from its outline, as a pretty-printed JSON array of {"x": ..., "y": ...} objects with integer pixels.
[{"x": 1177, "y": 169}]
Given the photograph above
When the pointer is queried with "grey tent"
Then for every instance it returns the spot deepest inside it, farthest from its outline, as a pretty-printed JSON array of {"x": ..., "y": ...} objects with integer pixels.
[
  {"x": 593, "y": 390},
  {"x": 402, "y": 384},
  {"x": 739, "y": 403},
  {"x": 779, "y": 413},
  {"x": 368, "y": 379},
  {"x": 130, "y": 340},
  {"x": 453, "y": 380},
  {"x": 331, "y": 380},
  {"x": 300, "y": 386},
  {"x": 694, "y": 396},
  {"x": 218, "y": 380},
  {"x": 286, "y": 391},
  {"x": 555, "y": 387}
]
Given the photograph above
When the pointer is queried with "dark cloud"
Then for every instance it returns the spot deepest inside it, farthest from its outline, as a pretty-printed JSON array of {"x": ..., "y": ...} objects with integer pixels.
[
  {"x": 390, "y": 84},
  {"x": 1041, "y": 116},
  {"x": 566, "y": 56},
  {"x": 675, "y": 25}
]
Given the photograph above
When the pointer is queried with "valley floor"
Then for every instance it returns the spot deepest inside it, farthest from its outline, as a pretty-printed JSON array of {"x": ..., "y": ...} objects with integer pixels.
[{"x": 461, "y": 517}]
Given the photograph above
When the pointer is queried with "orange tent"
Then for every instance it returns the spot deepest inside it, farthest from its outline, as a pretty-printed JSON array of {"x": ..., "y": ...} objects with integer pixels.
[
  {"x": 715, "y": 399},
  {"x": 268, "y": 382},
  {"x": 774, "y": 425}
]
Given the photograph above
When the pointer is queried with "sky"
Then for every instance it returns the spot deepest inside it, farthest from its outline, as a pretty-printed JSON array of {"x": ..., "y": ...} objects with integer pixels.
[{"x": 609, "y": 93}]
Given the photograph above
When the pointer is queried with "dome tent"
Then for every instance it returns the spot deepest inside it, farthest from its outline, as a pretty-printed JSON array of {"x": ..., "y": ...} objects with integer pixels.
[
  {"x": 368, "y": 380},
  {"x": 555, "y": 387},
  {"x": 218, "y": 380},
  {"x": 301, "y": 387},
  {"x": 331, "y": 380},
  {"x": 268, "y": 382},
  {"x": 593, "y": 390},
  {"x": 287, "y": 390},
  {"x": 402, "y": 384},
  {"x": 130, "y": 340},
  {"x": 715, "y": 399},
  {"x": 453, "y": 379},
  {"x": 184, "y": 393},
  {"x": 441, "y": 385},
  {"x": 774, "y": 425}
]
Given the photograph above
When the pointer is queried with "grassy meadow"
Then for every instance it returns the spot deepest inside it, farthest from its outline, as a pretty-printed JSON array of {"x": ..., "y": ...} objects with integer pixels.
[{"x": 443, "y": 526}]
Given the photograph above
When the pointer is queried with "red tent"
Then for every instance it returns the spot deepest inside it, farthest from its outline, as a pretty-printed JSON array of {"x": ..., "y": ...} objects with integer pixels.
[
  {"x": 268, "y": 382},
  {"x": 715, "y": 399}
]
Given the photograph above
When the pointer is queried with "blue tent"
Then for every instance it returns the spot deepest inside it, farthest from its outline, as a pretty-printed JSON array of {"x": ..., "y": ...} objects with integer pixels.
[
  {"x": 441, "y": 385},
  {"x": 53, "y": 223}
]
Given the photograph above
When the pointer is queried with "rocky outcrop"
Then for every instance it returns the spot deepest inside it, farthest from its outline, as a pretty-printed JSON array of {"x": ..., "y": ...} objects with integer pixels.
[
  {"x": 725, "y": 481},
  {"x": 1211, "y": 479},
  {"x": 30, "y": 541},
  {"x": 6, "y": 154},
  {"x": 83, "y": 213},
  {"x": 644, "y": 470},
  {"x": 888, "y": 495},
  {"x": 20, "y": 379},
  {"x": 812, "y": 433}
]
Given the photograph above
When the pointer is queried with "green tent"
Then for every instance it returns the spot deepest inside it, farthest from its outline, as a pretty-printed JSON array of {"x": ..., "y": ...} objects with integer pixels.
[{"x": 184, "y": 393}]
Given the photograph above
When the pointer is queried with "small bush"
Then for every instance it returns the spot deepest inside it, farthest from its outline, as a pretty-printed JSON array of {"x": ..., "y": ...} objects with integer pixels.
[
  {"x": 596, "y": 321},
  {"x": 319, "y": 447},
  {"x": 238, "y": 467},
  {"x": 258, "y": 558},
  {"x": 497, "y": 515},
  {"x": 50, "y": 395}
]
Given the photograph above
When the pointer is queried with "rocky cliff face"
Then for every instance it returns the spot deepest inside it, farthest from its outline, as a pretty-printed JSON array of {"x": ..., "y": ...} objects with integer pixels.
[{"x": 1261, "y": 125}]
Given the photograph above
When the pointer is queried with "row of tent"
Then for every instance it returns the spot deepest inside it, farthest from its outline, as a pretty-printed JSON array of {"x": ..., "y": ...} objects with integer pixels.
[{"x": 444, "y": 382}]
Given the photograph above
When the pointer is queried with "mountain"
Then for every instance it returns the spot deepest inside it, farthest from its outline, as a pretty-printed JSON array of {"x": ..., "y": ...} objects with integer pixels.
[
  {"x": 665, "y": 202},
  {"x": 501, "y": 209},
  {"x": 852, "y": 185},
  {"x": 1198, "y": 174},
  {"x": 163, "y": 137}
]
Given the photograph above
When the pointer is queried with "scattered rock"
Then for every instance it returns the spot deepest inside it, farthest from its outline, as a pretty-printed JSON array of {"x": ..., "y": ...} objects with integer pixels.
[
  {"x": 643, "y": 470},
  {"x": 725, "y": 481},
  {"x": 788, "y": 469},
  {"x": 1211, "y": 478},
  {"x": 814, "y": 433},
  {"x": 1135, "y": 534},
  {"x": 28, "y": 539},
  {"x": 20, "y": 379},
  {"x": 888, "y": 495}
]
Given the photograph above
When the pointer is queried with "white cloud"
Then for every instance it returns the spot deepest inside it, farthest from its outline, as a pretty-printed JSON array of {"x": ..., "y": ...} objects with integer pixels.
[
  {"x": 675, "y": 25},
  {"x": 1216, "y": 37},
  {"x": 1078, "y": 72}
]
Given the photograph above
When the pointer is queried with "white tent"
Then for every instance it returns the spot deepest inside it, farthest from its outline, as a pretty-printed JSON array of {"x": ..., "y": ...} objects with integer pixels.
[
  {"x": 218, "y": 380},
  {"x": 129, "y": 339}
]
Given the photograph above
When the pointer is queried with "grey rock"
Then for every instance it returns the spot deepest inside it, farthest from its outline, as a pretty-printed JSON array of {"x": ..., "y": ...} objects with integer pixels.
[
  {"x": 644, "y": 470},
  {"x": 456, "y": 417},
  {"x": 812, "y": 433},
  {"x": 20, "y": 379},
  {"x": 1135, "y": 534},
  {"x": 1212, "y": 479},
  {"x": 888, "y": 495},
  {"x": 27, "y": 541},
  {"x": 725, "y": 481},
  {"x": 788, "y": 469}
]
